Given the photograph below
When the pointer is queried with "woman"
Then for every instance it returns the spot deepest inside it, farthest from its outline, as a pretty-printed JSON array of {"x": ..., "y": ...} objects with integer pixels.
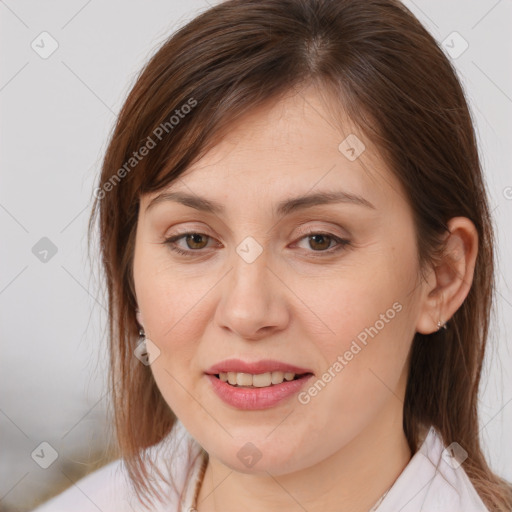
[{"x": 293, "y": 217}]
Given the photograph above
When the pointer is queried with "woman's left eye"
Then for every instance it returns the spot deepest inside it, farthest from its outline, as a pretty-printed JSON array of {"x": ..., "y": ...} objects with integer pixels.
[
  {"x": 317, "y": 239},
  {"x": 321, "y": 240}
]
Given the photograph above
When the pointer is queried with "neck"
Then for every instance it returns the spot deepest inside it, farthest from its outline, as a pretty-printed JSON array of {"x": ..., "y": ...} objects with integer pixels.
[{"x": 351, "y": 479}]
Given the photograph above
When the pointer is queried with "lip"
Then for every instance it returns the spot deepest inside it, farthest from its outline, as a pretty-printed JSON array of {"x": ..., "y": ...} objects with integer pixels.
[
  {"x": 256, "y": 398},
  {"x": 255, "y": 368}
]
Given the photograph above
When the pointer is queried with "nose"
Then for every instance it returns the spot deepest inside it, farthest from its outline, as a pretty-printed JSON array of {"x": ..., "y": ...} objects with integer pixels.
[{"x": 253, "y": 303}]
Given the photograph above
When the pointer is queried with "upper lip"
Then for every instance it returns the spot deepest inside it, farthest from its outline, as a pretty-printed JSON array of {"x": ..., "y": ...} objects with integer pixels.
[{"x": 255, "y": 368}]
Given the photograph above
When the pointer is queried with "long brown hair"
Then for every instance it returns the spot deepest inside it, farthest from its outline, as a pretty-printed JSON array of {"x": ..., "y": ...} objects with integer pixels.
[{"x": 395, "y": 83}]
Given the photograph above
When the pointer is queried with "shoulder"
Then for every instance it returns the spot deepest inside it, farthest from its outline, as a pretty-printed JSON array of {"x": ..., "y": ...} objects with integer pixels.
[
  {"x": 108, "y": 489},
  {"x": 434, "y": 481}
]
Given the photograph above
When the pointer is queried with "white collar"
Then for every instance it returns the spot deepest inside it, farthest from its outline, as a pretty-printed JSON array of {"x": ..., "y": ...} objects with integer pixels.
[{"x": 432, "y": 481}]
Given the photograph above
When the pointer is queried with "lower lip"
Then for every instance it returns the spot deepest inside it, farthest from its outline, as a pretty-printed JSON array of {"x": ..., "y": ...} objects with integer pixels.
[{"x": 256, "y": 398}]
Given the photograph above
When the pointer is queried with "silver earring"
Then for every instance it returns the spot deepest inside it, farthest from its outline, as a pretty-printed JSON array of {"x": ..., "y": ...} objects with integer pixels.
[{"x": 441, "y": 324}]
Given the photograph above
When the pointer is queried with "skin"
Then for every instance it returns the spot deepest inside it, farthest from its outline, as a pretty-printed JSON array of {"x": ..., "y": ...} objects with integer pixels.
[{"x": 346, "y": 446}]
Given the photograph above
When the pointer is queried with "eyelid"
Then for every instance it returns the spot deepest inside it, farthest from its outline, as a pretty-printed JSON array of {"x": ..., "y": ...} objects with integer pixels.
[
  {"x": 299, "y": 227},
  {"x": 317, "y": 230}
]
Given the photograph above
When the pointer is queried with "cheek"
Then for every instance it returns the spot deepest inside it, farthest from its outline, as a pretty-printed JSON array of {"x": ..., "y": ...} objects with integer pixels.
[
  {"x": 365, "y": 300},
  {"x": 172, "y": 307},
  {"x": 172, "y": 297},
  {"x": 368, "y": 316},
  {"x": 369, "y": 339}
]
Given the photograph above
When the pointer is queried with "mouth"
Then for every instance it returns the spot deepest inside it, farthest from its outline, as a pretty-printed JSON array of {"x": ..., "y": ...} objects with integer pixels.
[
  {"x": 258, "y": 385},
  {"x": 261, "y": 380}
]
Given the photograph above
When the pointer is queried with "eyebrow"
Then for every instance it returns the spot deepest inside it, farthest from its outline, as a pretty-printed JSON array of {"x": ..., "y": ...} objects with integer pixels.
[{"x": 283, "y": 208}]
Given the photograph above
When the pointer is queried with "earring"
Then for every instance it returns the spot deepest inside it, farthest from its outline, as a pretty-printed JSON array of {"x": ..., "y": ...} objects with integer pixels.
[
  {"x": 441, "y": 324},
  {"x": 141, "y": 352},
  {"x": 142, "y": 337}
]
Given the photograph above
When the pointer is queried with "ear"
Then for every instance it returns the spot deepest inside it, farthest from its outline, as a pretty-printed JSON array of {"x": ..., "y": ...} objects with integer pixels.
[{"x": 451, "y": 278}]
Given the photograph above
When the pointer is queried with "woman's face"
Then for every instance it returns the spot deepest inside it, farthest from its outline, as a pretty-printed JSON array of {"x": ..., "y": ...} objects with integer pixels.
[{"x": 265, "y": 282}]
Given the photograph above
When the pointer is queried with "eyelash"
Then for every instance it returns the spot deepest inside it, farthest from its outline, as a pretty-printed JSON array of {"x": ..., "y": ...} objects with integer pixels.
[{"x": 341, "y": 243}]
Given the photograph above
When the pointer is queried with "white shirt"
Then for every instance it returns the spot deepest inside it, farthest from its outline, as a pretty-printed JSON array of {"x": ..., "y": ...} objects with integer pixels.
[{"x": 432, "y": 481}]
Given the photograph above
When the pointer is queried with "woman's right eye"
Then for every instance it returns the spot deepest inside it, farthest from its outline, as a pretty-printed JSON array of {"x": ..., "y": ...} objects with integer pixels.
[{"x": 191, "y": 236}]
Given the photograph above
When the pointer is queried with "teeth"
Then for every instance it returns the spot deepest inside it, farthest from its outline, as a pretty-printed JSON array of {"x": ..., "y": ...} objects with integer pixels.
[
  {"x": 260, "y": 380},
  {"x": 243, "y": 379},
  {"x": 277, "y": 377}
]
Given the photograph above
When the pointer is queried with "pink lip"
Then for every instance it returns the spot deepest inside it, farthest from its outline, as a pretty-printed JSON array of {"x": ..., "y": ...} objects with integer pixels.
[
  {"x": 256, "y": 398},
  {"x": 255, "y": 368}
]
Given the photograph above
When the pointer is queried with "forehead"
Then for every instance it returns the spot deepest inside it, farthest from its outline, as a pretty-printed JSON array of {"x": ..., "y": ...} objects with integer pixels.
[{"x": 288, "y": 148}]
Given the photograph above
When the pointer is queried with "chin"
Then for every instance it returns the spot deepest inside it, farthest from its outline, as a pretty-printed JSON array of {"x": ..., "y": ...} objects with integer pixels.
[{"x": 277, "y": 456}]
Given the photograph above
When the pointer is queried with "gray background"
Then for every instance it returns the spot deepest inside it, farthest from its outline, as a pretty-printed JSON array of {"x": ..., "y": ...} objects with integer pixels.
[{"x": 56, "y": 116}]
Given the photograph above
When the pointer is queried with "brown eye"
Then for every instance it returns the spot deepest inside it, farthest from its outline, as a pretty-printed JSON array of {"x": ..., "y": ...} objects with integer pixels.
[
  {"x": 194, "y": 243},
  {"x": 193, "y": 240},
  {"x": 320, "y": 242}
]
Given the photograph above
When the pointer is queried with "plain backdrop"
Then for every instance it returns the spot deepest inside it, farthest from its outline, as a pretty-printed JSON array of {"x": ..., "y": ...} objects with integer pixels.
[{"x": 57, "y": 111}]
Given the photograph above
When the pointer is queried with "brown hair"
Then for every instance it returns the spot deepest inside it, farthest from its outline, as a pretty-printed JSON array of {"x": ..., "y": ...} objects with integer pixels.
[{"x": 392, "y": 79}]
